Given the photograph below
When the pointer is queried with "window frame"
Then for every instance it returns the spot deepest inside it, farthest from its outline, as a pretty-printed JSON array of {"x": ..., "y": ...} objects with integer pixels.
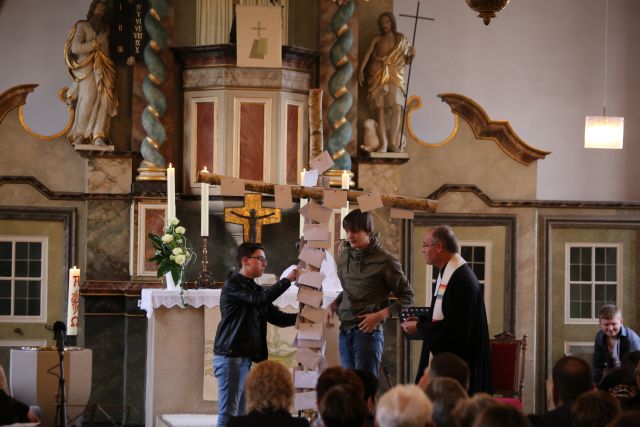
[
  {"x": 42, "y": 318},
  {"x": 567, "y": 279}
]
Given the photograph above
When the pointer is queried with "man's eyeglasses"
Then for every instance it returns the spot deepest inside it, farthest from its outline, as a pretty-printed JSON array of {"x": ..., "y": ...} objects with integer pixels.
[
  {"x": 259, "y": 258},
  {"x": 426, "y": 245}
]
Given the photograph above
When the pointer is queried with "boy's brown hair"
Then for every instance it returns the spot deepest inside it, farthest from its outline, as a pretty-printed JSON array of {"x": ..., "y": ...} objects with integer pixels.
[{"x": 609, "y": 312}]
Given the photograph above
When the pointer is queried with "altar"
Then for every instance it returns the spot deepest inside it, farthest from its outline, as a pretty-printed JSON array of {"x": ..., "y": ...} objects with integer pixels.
[{"x": 180, "y": 334}]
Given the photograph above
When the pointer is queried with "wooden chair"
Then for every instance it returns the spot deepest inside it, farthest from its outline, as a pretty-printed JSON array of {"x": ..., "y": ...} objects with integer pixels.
[{"x": 507, "y": 363}]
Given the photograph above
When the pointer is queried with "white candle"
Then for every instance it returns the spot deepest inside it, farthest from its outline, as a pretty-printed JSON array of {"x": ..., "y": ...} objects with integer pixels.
[
  {"x": 345, "y": 180},
  {"x": 171, "y": 193},
  {"x": 302, "y": 201},
  {"x": 73, "y": 303},
  {"x": 204, "y": 208}
]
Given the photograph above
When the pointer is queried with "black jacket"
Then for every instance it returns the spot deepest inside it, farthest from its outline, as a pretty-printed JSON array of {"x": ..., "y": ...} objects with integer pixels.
[
  {"x": 12, "y": 410},
  {"x": 245, "y": 309},
  {"x": 268, "y": 419}
]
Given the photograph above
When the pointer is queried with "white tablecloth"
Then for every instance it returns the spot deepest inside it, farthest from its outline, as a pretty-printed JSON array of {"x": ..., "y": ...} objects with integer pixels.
[{"x": 154, "y": 298}]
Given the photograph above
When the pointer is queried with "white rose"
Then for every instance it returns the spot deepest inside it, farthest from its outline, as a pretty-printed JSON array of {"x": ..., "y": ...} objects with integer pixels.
[
  {"x": 167, "y": 238},
  {"x": 180, "y": 259},
  {"x": 174, "y": 221},
  {"x": 180, "y": 230},
  {"x": 177, "y": 251},
  {"x": 172, "y": 257}
]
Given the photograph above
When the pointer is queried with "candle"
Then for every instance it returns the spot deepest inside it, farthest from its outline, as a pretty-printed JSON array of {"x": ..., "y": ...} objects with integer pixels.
[
  {"x": 302, "y": 202},
  {"x": 345, "y": 180},
  {"x": 204, "y": 208},
  {"x": 73, "y": 303},
  {"x": 171, "y": 193}
]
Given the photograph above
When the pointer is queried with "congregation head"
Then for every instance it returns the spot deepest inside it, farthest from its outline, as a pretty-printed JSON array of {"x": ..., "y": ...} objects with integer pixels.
[
  {"x": 449, "y": 365},
  {"x": 571, "y": 377},
  {"x": 445, "y": 394},
  {"x": 404, "y": 406},
  {"x": 337, "y": 375},
  {"x": 594, "y": 409},
  {"x": 343, "y": 406},
  {"x": 269, "y": 387}
]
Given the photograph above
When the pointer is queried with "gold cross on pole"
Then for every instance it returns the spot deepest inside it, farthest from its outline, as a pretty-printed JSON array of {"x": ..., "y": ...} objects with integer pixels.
[
  {"x": 259, "y": 28},
  {"x": 252, "y": 216}
]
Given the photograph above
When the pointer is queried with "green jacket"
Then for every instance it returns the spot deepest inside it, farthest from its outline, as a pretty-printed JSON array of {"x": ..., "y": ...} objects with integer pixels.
[{"x": 368, "y": 277}]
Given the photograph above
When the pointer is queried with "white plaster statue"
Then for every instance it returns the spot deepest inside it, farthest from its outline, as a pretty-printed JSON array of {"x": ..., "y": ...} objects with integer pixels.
[
  {"x": 93, "y": 92},
  {"x": 384, "y": 63},
  {"x": 371, "y": 140}
]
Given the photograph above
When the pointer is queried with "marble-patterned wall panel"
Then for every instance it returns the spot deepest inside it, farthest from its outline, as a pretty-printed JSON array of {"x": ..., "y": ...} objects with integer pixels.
[
  {"x": 105, "y": 336},
  {"x": 136, "y": 350},
  {"x": 252, "y": 140},
  {"x": 108, "y": 239},
  {"x": 231, "y": 77},
  {"x": 108, "y": 175},
  {"x": 293, "y": 142}
]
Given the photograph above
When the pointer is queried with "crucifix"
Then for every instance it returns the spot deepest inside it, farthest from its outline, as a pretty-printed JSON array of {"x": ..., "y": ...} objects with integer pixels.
[
  {"x": 259, "y": 28},
  {"x": 413, "y": 43},
  {"x": 252, "y": 216}
]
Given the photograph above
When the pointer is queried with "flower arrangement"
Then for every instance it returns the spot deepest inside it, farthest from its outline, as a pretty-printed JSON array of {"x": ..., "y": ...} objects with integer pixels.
[{"x": 172, "y": 253}]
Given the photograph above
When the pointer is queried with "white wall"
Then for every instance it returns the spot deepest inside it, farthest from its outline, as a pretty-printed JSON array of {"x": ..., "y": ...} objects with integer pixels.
[
  {"x": 32, "y": 36},
  {"x": 540, "y": 65}
]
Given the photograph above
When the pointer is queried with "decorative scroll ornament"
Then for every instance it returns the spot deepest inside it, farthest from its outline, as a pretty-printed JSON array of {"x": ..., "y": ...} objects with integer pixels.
[
  {"x": 487, "y": 9},
  {"x": 337, "y": 115},
  {"x": 153, "y": 165}
]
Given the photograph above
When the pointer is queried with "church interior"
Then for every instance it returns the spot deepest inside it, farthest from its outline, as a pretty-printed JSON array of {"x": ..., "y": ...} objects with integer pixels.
[{"x": 491, "y": 141}]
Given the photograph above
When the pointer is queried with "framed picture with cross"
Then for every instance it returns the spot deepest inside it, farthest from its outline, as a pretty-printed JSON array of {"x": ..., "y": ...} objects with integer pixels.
[{"x": 259, "y": 36}]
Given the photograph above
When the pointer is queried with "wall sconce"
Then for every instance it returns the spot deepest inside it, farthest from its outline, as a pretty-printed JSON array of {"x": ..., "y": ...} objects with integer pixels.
[
  {"x": 487, "y": 9},
  {"x": 604, "y": 131}
]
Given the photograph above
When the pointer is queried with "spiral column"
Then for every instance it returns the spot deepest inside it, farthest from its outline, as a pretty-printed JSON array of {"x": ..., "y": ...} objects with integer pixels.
[
  {"x": 337, "y": 114},
  {"x": 152, "y": 167}
]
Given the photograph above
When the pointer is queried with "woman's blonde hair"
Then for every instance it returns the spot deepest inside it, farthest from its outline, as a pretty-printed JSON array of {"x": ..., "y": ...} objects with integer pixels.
[{"x": 269, "y": 387}]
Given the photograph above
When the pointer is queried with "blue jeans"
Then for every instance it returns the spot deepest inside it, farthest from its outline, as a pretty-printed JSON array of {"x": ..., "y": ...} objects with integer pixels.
[
  {"x": 360, "y": 350},
  {"x": 231, "y": 373}
]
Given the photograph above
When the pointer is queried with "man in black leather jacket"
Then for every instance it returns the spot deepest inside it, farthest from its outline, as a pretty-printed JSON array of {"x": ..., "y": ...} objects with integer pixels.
[{"x": 241, "y": 338}]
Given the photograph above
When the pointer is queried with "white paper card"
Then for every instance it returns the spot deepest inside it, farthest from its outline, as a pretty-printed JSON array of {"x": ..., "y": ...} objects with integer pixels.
[
  {"x": 284, "y": 199},
  {"x": 334, "y": 199},
  {"x": 305, "y": 379},
  {"x": 369, "y": 202},
  {"x": 308, "y": 358},
  {"x": 305, "y": 400},
  {"x": 312, "y": 313},
  {"x": 321, "y": 162},
  {"x": 310, "y": 296},
  {"x": 312, "y": 256},
  {"x": 316, "y": 232},
  {"x": 231, "y": 186},
  {"x": 310, "y": 331},
  {"x": 310, "y": 178},
  {"x": 318, "y": 213},
  {"x": 402, "y": 213}
]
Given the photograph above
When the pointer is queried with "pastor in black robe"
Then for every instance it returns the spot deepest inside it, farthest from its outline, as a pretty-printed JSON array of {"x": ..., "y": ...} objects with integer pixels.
[{"x": 463, "y": 331}]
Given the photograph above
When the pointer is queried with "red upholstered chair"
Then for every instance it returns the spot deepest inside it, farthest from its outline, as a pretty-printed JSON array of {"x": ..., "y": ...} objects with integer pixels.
[{"x": 507, "y": 363}]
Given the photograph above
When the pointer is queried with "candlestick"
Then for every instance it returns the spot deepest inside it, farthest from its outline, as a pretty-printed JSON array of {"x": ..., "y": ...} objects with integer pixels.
[
  {"x": 205, "y": 278},
  {"x": 171, "y": 193},
  {"x": 204, "y": 208},
  {"x": 73, "y": 302}
]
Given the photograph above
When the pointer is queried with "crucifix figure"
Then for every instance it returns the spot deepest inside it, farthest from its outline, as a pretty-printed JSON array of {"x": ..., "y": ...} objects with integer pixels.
[
  {"x": 258, "y": 28},
  {"x": 259, "y": 46},
  {"x": 252, "y": 216}
]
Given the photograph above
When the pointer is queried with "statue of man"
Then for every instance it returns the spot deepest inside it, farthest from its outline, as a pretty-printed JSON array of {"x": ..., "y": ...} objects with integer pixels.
[
  {"x": 93, "y": 92},
  {"x": 384, "y": 62}
]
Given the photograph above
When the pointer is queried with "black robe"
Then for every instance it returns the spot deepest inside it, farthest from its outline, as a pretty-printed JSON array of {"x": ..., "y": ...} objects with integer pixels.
[{"x": 464, "y": 330}]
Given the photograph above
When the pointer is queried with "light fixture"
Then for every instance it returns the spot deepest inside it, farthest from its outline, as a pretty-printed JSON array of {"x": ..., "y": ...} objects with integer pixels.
[
  {"x": 487, "y": 9},
  {"x": 604, "y": 131}
]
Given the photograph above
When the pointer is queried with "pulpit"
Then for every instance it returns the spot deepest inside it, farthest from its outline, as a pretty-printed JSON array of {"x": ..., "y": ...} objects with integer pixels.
[
  {"x": 180, "y": 333},
  {"x": 34, "y": 380}
]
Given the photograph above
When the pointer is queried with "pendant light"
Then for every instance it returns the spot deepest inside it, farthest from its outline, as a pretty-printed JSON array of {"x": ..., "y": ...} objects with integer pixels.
[{"x": 604, "y": 131}]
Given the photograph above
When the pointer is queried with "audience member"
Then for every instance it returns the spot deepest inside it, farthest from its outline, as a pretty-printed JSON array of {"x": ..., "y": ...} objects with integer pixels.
[
  {"x": 269, "y": 395},
  {"x": 444, "y": 393},
  {"x": 333, "y": 376},
  {"x": 501, "y": 415},
  {"x": 404, "y": 406},
  {"x": 633, "y": 404},
  {"x": 594, "y": 409},
  {"x": 626, "y": 419},
  {"x": 446, "y": 365},
  {"x": 612, "y": 342},
  {"x": 571, "y": 377},
  {"x": 370, "y": 383},
  {"x": 14, "y": 411},
  {"x": 466, "y": 411},
  {"x": 343, "y": 406}
]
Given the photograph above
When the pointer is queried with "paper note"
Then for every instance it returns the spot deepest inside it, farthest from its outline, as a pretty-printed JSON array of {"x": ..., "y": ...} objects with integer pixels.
[
  {"x": 310, "y": 178},
  {"x": 321, "y": 162},
  {"x": 284, "y": 199},
  {"x": 318, "y": 213},
  {"x": 323, "y": 244},
  {"x": 311, "y": 278},
  {"x": 305, "y": 379},
  {"x": 369, "y": 202},
  {"x": 231, "y": 186},
  {"x": 402, "y": 213},
  {"x": 310, "y": 296},
  {"x": 301, "y": 343},
  {"x": 312, "y": 313},
  {"x": 305, "y": 400},
  {"x": 310, "y": 331},
  {"x": 308, "y": 358},
  {"x": 335, "y": 199},
  {"x": 312, "y": 256},
  {"x": 316, "y": 232}
]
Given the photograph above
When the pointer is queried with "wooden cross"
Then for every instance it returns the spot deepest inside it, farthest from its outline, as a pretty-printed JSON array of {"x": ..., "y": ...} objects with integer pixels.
[
  {"x": 252, "y": 216},
  {"x": 259, "y": 27}
]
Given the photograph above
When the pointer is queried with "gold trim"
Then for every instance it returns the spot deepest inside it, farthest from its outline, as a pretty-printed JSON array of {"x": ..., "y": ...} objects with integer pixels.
[
  {"x": 61, "y": 95},
  {"x": 155, "y": 14},
  {"x": 415, "y": 103},
  {"x": 153, "y": 142},
  {"x": 340, "y": 92},
  {"x": 339, "y": 123},
  {"x": 342, "y": 30},
  {"x": 342, "y": 61},
  {"x": 154, "y": 45},
  {"x": 154, "y": 79},
  {"x": 338, "y": 154},
  {"x": 153, "y": 111}
]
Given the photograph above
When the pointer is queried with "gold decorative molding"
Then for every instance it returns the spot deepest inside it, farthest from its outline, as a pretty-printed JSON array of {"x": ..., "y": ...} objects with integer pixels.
[
  {"x": 415, "y": 103},
  {"x": 17, "y": 97},
  {"x": 499, "y": 131}
]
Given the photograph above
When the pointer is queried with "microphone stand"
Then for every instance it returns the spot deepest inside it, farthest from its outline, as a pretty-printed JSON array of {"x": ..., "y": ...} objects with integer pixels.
[{"x": 59, "y": 329}]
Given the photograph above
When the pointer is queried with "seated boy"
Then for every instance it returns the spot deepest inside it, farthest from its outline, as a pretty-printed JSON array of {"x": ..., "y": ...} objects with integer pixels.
[{"x": 612, "y": 342}]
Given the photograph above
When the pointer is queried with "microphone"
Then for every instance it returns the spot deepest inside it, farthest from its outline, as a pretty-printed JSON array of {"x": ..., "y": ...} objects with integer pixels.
[{"x": 59, "y": 332}]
